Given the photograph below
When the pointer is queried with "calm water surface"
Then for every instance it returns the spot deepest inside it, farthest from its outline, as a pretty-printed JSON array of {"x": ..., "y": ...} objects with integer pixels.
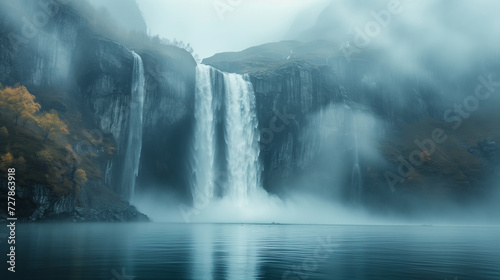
[{"x": 253, "y": 251}]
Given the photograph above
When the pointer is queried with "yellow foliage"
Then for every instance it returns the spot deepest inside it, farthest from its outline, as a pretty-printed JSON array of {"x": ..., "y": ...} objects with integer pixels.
[
  {"x": 111, "y": 150},
  {"x": 50, "y": 124},
  {"x": 4, "y": 132},
  {"x": 80, "y": 177},
  {"x": 19, "y": 103},
  {"x": 6, "y": 161}
]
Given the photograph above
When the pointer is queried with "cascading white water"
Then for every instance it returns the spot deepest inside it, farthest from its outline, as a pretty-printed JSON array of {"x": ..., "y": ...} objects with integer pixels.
[
  {"x": 242, "y": 170},
  {"x": 241, "y": 135},
  {"x": 134, "y": 140},
  {"x": 204, "y": 144},
  {"x": 356, "y": 182}
]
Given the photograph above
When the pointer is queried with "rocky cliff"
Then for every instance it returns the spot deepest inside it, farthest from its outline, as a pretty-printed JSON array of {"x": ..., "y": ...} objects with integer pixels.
[
  {"x": 59, "y": 55},
  {"x": 285, "y": 97}
]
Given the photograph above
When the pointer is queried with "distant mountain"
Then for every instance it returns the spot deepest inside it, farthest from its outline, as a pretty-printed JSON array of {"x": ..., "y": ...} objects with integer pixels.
[{"x": 268, "y": 57}]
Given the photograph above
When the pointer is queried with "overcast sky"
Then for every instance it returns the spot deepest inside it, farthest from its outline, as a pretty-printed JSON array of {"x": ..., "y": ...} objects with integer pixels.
[{"x": 247, "y": 23}]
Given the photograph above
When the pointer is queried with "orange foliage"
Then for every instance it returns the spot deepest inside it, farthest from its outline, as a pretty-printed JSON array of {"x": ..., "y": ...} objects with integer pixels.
[
  {"x": 51, "y": 125},
  {"x": 19, "y": 103},
  {"x": 6, "y": 161},
  {"x": 80, "y": 177}
]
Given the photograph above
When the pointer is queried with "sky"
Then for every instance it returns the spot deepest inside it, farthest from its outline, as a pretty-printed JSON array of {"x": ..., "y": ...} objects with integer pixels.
[{"x": 213, "y": 26}]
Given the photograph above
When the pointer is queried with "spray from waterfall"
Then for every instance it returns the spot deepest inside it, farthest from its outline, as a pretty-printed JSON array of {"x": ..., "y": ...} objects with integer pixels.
[{"x": 134, "y": 140}]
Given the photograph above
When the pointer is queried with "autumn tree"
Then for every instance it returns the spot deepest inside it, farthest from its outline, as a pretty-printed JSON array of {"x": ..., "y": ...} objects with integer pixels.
[
  {"x": 50, "y": 124},
  {"x": 6, "y": 161},
  {"x": 80, "y": 177},
  {"x": 19, "y": 103}
]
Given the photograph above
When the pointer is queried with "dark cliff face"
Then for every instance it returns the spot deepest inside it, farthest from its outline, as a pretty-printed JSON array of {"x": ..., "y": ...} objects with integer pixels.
[
  {"x": 38, "y": 51},
  {"x": 284, "y": 99},
  {"x": 104, "y": 83},
  {"x": 168, "y": 121}
]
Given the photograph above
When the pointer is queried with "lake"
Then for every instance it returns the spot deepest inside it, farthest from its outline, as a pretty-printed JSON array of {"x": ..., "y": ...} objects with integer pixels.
[{"x": 255, "y": 251}]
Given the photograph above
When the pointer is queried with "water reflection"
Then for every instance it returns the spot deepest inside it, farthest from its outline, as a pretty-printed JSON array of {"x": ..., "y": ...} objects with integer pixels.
[
  {"x": 233, "y": 251},
  {"x": 242, "y": 261},
  {"x": 232, "y": 256},
  {"x": 203, "y": 252}
]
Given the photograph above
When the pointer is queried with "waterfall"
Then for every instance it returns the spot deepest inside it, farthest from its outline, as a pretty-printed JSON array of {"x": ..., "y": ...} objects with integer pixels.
[
  {"x": 356, "y": 181},
  {"x": 134, "y": 140},
  {"x": 204, "y": 144},
  {"x": 241, "y": 169},
  {"x": 241, "y": 137}
]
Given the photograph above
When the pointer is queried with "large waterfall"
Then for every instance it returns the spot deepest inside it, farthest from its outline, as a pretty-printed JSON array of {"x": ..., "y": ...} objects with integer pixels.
[
  {"x": 240, "y": 174},
  {"x": 241, "y": 137},
  {"x": 134, "y": 140}
]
